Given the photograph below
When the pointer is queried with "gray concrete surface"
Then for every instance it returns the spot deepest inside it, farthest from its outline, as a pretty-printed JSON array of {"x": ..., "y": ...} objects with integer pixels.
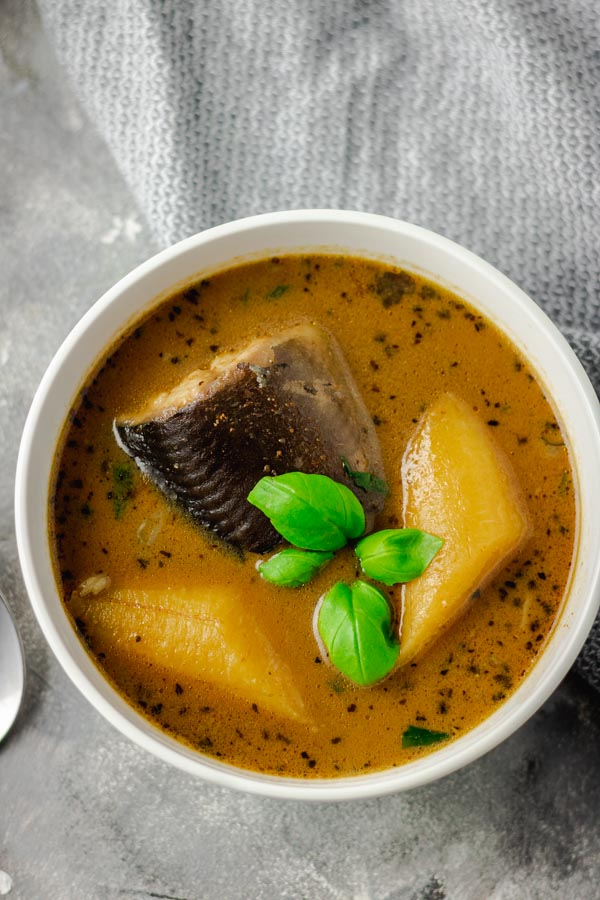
[{"x": 85, "y": 814}]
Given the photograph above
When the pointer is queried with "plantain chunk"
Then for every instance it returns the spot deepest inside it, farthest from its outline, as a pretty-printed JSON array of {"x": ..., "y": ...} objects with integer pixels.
[
  {"x": 458, "y": 485},
  {"x": 205, "y": 634}
]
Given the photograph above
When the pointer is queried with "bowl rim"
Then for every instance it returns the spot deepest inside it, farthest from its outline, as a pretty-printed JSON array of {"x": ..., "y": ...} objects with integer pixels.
[{"x": 478, "y": 741}]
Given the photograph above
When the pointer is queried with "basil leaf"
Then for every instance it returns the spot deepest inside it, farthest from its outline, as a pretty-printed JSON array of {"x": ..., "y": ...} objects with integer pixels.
[
  {"x": 310, "y": 511},
  {"x": 422, "y": 737},
  {"x": 397, "y": 554},
  {"x": 122, "y": 488},
  {"x": 293, "y": 568},
  {"x": 365, "y": 480},
  {"x": 354, "y": 624},
  {"x": 278, "y": 291}
]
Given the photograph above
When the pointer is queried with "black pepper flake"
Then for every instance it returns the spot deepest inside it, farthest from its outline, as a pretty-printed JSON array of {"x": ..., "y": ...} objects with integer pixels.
[
  {"x": 377, "y": 420},
  {"x": 493, "y": 423},
  {"x": 165, "y": 553},
  {"x": 143, "y": 563},
  {"x": 304, "y": 755},
  {"x": 156, "y": 709},
  {"x": 374, "y": 365},
  {"x": 66, "y": 575},
  {"x": 254, "y": 707},
  {"x": 191, "y": 296},
  {"x": 205, "y": 743},
  {"x": 510, "y": 584},
  {"x": 143, "y": 704},
  {"x": 86, "y": 511},
  {"x": 352, "y": 708},
  {"x": 213, "y": 348},
  {"x": 138, "y": 638},
  {"x": 175, "y": 360},
  {"x": 312, "y": 763}
]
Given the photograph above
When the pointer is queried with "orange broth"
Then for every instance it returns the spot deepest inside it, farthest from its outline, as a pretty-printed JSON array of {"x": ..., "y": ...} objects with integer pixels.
[{"x": 405, "y": 347}]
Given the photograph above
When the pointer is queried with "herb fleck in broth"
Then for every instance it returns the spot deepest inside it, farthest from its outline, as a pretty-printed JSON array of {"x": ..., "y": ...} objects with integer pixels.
[{"x": 407, "y": 341}]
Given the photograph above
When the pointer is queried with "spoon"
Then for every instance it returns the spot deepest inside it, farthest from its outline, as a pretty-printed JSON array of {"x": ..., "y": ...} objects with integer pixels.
[{"x": 12, "y": 670}]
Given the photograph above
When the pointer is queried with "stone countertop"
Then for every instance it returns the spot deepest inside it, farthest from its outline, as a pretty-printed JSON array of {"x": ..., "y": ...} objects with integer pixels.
[{"x": 86, "y": 814}]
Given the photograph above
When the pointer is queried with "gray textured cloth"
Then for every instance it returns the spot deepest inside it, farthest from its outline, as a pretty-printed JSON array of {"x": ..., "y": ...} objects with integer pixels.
[{"x": 476, "y": 118}]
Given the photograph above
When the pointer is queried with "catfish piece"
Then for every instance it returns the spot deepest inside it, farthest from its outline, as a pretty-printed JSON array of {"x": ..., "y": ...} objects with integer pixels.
[{"x": 285, "y": 403}]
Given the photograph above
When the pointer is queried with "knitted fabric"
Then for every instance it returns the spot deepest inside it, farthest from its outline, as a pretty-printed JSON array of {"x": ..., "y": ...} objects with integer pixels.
[{"x": 476, "y": 119}]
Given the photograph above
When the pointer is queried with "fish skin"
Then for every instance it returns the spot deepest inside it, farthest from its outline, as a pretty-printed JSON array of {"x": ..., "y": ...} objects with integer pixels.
[{"x": 285, "y": 403}]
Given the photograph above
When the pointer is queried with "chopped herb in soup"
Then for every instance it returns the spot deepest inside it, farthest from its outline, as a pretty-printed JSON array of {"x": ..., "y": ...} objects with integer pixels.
[{"x": 313, "y": 516}]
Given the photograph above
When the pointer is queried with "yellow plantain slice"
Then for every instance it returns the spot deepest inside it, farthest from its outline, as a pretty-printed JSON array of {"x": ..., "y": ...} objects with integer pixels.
[
  {"x": 459, "y": 486},
  {"x": 206, "y": 634}
]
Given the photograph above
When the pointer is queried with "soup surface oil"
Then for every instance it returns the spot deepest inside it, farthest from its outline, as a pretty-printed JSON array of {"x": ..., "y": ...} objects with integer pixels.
[{"x": 406, "y": 341}]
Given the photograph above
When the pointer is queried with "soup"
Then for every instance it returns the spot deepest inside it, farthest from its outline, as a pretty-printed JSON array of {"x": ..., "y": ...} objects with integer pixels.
[{"x": 141, "y": 578}]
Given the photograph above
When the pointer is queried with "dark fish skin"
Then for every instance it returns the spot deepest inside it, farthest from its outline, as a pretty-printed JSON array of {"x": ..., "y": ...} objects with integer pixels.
[{"x": 285, "y": 403}]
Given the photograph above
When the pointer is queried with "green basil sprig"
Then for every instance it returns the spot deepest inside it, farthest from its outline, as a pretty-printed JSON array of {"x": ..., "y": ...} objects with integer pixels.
[
  {"x": 354, "y": 624},
  {"x": 292, "y": 567},
  {"x": 422, "y": 737},
  {"x": 397, "y": 554},
  {"x": 310, "y": 511},
  {"x": 365, "y": 480},
  {"x": 319, "y": 515}
]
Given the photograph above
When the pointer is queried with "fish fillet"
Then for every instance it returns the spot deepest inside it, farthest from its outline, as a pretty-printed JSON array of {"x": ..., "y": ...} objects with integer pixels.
[{"x": 284, "y": 403}]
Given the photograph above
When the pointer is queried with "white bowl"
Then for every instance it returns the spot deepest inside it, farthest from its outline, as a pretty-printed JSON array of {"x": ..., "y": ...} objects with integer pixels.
[{"x": 416, "y": 249}]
